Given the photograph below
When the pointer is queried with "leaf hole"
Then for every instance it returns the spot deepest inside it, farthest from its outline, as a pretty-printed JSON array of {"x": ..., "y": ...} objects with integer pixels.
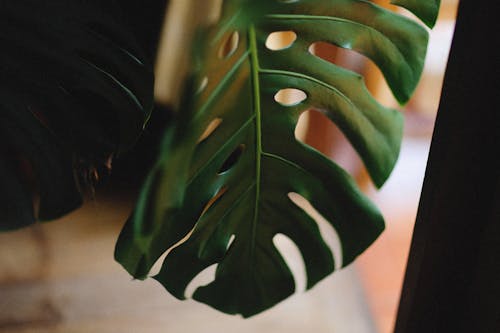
[
  {"x": 322, "y": 134},
  {"x": 232, "y": 159},
  {"x": 280, "y": 40},
  {"x": 294, "y": 260},
  {"x": 230, "y": 242},
  {"x": 203, "y": 278},
  {"x": 230, "y": 45},
  {"x": 203, "y": 85},
  {"x": 341, "y": 56},
  {"x": 214, "y": 124},
  {"x": 301, "y": 129},
  {"x": 329, "y": 234},
  {"x": 290, "y": 96},
  {"x": 213, "y": 200}
]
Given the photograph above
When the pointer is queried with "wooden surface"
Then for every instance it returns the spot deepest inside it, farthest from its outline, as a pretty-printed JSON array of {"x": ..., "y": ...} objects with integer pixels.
[{"x": 61, "y": 278}]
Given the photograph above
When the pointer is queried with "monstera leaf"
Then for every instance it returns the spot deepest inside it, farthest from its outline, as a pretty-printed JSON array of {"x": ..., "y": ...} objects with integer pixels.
[
  {"x": 231, "y": 169},
  {"x": 74, "y": 89}
]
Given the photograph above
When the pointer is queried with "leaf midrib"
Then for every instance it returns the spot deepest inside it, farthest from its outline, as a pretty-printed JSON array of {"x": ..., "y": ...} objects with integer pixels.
[
  {"x": 221, "y": 148},
  {"x": 255, "y": 68}
]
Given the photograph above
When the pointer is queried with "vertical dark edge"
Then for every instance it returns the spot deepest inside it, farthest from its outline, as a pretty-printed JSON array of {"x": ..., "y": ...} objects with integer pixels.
[
  {"x": 453, "y": 273},
  {"x": 146, "y": 20}
]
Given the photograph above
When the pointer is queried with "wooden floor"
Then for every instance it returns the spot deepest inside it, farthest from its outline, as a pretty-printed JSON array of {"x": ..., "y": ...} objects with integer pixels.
[
  {"x": 61, "y": 277},
  {"x": 382, "y": 267}
]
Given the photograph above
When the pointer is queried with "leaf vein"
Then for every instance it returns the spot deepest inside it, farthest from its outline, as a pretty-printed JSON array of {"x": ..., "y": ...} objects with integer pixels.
[{"x": 338, "y": 19}]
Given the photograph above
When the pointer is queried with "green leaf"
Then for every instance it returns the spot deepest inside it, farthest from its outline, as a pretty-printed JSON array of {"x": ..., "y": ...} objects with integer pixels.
[
  {"x": 426, "y": 10},
  {"x": 74, "y": 89},
  {"x": 241, "y": 179}
]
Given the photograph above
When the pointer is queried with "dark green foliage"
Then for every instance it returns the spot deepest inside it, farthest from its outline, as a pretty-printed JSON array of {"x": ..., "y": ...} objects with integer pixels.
[{"x": 75, "y": 89}]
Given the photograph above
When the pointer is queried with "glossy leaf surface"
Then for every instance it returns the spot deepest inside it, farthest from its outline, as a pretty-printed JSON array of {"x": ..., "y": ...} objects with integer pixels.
[{"x": 222, "y": 189}]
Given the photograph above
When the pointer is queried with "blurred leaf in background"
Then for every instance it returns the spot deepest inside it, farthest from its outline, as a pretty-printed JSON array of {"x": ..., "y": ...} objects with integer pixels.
[{"x": 76, "y": 89}]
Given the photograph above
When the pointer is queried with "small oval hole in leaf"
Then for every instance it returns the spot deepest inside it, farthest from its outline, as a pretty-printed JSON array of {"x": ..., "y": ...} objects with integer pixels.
[
  {"x": 230, "y": 242},
  {"x": 230, "y": 45},
  {"x": 203, "y": 85},
  {"x": 214, "y": 124},
  {"x": 280, "y": 40},
  {"x": 232, "y": 159},
  {"x": 290, "y": 96},
  {"x": 301, "y": 130}
]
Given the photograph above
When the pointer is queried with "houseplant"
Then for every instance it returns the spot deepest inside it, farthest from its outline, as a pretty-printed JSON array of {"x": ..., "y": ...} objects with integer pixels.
[{"x": 231, "y": 189}]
